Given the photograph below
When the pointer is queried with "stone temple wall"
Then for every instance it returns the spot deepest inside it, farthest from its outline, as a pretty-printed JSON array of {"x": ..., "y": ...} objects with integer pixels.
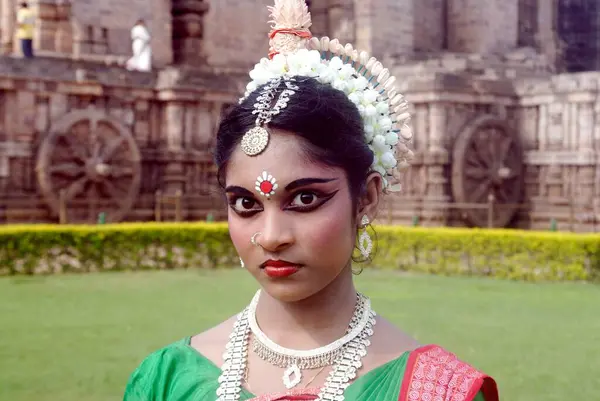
[
  {"x": 479, "y": 75},
  {"x": 109, "y": 138},
  {"x": 555, "y": 119}
]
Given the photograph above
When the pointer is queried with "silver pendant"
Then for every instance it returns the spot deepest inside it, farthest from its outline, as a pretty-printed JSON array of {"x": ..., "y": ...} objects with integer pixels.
[
  {"x": 292, "y": 376},
  {"x": 255, "y": 141}
]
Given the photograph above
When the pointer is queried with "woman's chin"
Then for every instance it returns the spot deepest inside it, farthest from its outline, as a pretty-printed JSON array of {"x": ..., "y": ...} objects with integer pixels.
[{"x": 288, "y": 291}]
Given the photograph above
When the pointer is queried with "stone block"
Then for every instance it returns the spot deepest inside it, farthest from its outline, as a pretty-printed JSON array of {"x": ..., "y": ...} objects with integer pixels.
[
  {"x": 476, "y": 26},
  {"x": 204, "y": 132},
  {"x": 236, "y": 32},
  {"x": 429, "y": 22},
  {"x": 26, "y": 116},
  {"x": 42, "y": 113},
  {"x": 58, "y": 105},
  {"x": 142, "y": 131},
  {"x": 385, "y": 27}
]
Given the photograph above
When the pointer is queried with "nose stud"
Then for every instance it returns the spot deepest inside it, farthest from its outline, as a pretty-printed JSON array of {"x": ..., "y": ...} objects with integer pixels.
[{"x": 253, "y": 238}]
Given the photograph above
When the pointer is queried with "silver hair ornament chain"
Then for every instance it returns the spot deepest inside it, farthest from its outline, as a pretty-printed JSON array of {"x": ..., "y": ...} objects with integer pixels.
[{"x": 255, "y": 141}]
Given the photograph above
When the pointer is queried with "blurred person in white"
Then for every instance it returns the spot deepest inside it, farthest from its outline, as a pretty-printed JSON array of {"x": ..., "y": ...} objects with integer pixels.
[{"x": 140, "y": 45}]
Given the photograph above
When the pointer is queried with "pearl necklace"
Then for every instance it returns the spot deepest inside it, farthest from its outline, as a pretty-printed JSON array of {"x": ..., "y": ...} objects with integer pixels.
[{"x": 348, "y": 351}]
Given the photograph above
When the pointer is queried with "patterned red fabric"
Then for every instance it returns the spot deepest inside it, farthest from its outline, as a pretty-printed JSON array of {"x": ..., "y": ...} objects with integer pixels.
[
  {"x": 434, "y": 374},
  {"x": 297, "y": 394}
]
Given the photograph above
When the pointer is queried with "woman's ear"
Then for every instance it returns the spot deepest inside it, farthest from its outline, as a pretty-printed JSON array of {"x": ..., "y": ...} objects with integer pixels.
[{"x": 369, "y": 201}]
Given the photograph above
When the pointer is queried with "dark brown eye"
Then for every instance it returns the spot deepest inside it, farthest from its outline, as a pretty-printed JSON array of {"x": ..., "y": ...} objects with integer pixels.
[
  {"x": 304, "y": 199},
  {"x": 243, "y": 204}
]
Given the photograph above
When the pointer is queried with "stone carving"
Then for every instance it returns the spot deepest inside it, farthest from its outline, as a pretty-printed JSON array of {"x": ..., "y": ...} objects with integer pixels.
[
  {"x": 555, "y": 133},
  {"x": 54, "y": 26},
  {"x": 188, "y": 30},
  {"x": 95, "y": 161},
  {"x": 487, "y": 160}
]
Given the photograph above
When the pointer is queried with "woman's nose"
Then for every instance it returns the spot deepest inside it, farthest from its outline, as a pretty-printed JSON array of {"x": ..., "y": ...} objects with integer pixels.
[{"x": 277, "y": 233}]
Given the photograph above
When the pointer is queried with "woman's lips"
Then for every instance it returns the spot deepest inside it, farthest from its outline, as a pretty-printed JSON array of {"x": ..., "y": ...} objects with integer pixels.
[{"x": 280, "y": 268}]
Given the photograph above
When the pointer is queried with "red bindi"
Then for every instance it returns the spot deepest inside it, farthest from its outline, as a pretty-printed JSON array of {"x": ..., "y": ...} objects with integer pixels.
[{"x": 266, "y": 187}]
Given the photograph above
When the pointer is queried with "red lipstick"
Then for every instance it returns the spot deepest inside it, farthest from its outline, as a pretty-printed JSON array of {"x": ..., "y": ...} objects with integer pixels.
[{"x": 280, "y": 268}]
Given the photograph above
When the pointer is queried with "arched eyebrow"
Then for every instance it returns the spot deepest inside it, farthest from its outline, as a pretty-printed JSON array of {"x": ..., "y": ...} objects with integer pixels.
[
  {"x": 302, "y": 182},
  {"x": 240, "y": 191}
]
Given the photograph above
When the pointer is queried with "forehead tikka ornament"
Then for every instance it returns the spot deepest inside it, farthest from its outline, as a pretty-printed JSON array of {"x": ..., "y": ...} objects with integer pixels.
[
  {"x": 255, "y": 141},
  {"x": 266, "y": 184}
]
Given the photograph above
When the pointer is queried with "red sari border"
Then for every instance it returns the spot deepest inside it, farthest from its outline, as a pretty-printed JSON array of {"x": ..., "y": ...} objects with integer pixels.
[
  {"x": 298, "y": 394},
  {"x": 434, "y": 374}
]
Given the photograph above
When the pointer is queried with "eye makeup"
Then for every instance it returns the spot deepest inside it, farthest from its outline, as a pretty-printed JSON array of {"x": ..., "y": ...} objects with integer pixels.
[{"x": 302, "y": 200}]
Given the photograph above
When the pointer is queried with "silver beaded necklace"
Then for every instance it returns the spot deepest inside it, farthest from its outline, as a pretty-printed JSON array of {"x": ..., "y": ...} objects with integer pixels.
[{"x": 345, "y": 354}]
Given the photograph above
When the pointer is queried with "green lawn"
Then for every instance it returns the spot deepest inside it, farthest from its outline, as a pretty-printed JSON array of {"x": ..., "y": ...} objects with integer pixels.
[{"x": 77, "y": 338}]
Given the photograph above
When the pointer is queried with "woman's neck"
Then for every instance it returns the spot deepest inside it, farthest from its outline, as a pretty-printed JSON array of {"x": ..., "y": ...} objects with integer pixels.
[{"x": 311, "y": 322}]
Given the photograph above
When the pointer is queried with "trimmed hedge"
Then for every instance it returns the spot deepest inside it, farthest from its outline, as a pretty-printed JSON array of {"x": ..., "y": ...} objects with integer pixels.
[
  {"x": 511, "y": 254},
  {"x": 522, "y": 255},
  {"x": 32, "y": 249}
]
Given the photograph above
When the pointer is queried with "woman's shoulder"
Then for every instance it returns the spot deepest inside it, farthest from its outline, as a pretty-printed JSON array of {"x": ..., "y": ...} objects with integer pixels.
[
  {"x": 390, "y": 340},
  {"x": 211, "y": 343},
  {"x": 162, "y": 360},
  {"x": 434, "y": 369},
  {"x": 197, "y": 347},
  {"x": 189, "y": 364},
  {"x": 156, "y": 371},
  {"x": 430, "y": 369}
]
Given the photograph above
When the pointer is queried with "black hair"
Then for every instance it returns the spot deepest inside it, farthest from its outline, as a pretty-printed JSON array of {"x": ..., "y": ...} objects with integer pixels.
[
  {"x": 324, "y": 117},
  {"x": 24, "y": 4}
]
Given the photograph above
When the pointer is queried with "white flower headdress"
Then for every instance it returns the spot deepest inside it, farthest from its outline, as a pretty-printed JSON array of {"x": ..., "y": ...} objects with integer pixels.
[{"x": 295, "y": 53}]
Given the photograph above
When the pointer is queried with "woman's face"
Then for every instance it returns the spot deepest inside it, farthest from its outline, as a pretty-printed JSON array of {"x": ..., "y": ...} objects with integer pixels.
[{"x": 306, "y": 227}]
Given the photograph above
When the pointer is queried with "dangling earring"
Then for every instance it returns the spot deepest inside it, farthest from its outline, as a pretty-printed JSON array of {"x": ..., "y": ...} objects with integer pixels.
[
  {"x": 242, "y": 264},
  {"x": 365, "y": 244}
]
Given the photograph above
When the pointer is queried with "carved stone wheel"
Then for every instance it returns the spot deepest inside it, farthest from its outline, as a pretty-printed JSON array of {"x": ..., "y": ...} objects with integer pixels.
[
  {"x": 94, "y": 159},
  {"x": 487, "y": 160}
]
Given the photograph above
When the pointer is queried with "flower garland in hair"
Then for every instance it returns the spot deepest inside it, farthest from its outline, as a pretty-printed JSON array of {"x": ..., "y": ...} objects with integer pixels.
[{"x": 362, "y": 79}]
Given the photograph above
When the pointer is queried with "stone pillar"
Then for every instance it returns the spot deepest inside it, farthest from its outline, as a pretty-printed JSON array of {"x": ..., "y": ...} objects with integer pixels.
[
  {"x": 46, "y": 26},
  {"x": 333, "y": 18},
  {"x": 188, "y": 30},
  {"x": 484, "y": 27},
  {"x": 547, "y": 38},
  {"x": 161, "y": 31},
  {"x": 174, "y": 126},
  {"x": 436, "y": 159},
  {"x": 586, "y": 174},
  {"x": 340, "y": 16},
  {"x": 528, "y": 23},
  {"x": 7, "y": 25},
  {"x": 63, "y": 37},
  {"x": 385, "y": 27},
  {"x": 203, "y": 133},
  {"x": 438, "y": 120},
  {"x": 174, "y": 129},
  {"x": 319, "y": 13},
  {"x": 430, "y": 25},
  {"x": 555, "y": 183}
]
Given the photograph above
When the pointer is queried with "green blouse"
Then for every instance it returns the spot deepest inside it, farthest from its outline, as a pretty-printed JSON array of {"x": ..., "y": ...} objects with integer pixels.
[{"x": 179, "y": 372}]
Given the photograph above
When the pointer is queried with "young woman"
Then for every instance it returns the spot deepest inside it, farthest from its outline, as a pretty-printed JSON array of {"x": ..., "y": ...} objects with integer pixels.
[{"x": 305, "y": 159}]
